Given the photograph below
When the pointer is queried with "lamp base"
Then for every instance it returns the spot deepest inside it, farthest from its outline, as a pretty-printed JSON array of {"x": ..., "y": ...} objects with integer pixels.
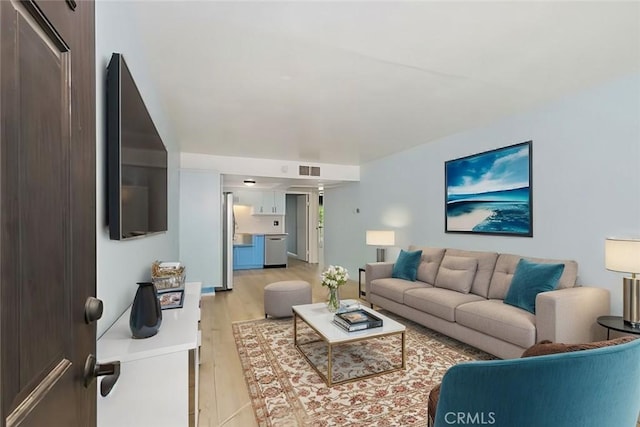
[
  {"x": 380, "y": 252},
  {"x": 631, "y": 301}
]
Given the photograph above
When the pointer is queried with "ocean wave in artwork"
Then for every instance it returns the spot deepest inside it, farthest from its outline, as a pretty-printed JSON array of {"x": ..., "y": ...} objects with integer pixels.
[{"x": 512, "y": 217}]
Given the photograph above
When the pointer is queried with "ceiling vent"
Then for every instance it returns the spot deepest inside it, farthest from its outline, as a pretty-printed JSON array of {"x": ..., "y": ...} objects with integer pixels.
[{"x": 309, "y": 170}]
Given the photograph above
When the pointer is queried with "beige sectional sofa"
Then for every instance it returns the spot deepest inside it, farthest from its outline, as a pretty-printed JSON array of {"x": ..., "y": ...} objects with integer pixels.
[{"x": 460, "y": 293}]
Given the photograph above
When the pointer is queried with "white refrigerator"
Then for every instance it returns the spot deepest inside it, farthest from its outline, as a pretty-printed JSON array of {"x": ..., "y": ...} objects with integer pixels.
[{"x": 228, "y": 231}]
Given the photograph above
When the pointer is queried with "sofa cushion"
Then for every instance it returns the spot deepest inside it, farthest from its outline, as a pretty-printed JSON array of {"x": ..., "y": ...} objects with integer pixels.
[
  {"x": 486, "y": 264},
  {"x": 506, "y": 267},
  {"x": 547, "y": 347},
  {"x": 457, "y": 273},
  {"x": 438, "y": 302},
  {"x": 502, "y": 321},
  {"x": 429, "y": 263},
  {"x": 394, "y": 289},
  {"x": 406, "y": 266},
  {"x": 529, "y": 280}
]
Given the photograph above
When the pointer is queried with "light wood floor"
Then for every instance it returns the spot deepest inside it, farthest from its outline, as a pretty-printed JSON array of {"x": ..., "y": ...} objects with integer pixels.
[{"x": 224, "y": 400}]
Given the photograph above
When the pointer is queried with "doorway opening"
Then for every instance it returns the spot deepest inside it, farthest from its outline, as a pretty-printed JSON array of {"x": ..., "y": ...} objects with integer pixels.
[
  {"x": 302, "y": 226},
  {"x": 320, "y": 228}
]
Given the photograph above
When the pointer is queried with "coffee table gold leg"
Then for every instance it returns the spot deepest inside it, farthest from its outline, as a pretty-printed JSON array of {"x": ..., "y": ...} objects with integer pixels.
[
  {"x": 295, "y": 329},
  {"x": 404, "y": 357},
  {"x": 329, "y": 375}
]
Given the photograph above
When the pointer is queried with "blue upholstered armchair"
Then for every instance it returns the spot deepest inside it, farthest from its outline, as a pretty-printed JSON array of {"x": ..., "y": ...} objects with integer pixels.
[{"x": 599, "y": 388}]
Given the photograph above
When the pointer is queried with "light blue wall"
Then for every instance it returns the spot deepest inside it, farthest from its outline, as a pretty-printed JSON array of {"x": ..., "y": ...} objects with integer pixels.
[
  {"x": 586, "y": 186},
  {"x": 344, "y": 229},
  {"x": 201, "y": 226},
  {"x": 123, "y": 263}
]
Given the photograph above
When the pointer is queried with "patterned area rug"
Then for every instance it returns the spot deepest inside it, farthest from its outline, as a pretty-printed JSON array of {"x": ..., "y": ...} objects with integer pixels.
[{"x": 286, "y": 391}]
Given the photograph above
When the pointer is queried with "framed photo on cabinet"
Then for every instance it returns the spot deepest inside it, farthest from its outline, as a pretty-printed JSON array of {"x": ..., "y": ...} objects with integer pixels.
[{"x": 171, "y": 299}]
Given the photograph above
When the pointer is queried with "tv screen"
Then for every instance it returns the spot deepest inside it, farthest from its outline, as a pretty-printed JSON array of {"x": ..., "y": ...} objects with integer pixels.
[{"x": 136, "y": 161}]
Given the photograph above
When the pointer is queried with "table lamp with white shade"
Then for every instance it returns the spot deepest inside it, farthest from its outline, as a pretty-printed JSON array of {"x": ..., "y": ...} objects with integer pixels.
[
  {"x": 381, "y": 238},
  {"x": 623, "y": 254}
]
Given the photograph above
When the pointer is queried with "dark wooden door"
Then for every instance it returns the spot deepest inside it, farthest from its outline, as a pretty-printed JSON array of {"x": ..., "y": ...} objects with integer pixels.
[{"x": 47, "y": 211}]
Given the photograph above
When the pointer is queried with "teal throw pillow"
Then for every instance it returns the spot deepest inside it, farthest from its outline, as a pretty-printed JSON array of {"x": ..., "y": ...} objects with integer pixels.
[
  {"x": 406, "y": 266},
  {"x": 529, "y": 280}
]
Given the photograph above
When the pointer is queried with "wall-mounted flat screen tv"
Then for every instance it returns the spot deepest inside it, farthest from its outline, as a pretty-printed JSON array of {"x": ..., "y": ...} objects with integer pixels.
[{"x": 136, "y": 160}]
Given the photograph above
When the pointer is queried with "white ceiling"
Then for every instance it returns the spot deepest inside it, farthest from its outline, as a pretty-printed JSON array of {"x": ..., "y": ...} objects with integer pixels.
[{"x": 350, "y": 82}]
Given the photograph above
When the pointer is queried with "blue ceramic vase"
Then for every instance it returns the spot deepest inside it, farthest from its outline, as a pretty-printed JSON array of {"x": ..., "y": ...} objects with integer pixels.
[{"x": 146, "y": 315}]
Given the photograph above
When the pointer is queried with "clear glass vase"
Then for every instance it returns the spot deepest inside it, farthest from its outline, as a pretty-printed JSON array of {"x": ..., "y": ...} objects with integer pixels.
[{"x": 333, "y": 302}]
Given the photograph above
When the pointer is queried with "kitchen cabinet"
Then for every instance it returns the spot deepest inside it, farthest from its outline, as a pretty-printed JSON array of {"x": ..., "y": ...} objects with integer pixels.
[
  {"x": 247, "y": 197},
  {"x": 279, "y": 202},
  {"x": 249, "y": 256},
  {"x": 261, "y": 202},
  {"x": 271, "y": 203}
]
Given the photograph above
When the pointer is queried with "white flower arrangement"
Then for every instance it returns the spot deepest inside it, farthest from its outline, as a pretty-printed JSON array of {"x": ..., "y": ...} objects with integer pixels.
[{"x": 334, "y": 277}]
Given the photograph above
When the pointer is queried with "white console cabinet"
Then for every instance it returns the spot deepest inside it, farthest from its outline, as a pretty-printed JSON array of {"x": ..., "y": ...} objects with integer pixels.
[{"x": 153, "y": 388}]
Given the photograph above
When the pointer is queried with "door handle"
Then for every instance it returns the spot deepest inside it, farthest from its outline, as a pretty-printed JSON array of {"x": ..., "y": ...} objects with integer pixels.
[
  {"x": 93, "y": 309},
  {"x": 110, "y": 371}
]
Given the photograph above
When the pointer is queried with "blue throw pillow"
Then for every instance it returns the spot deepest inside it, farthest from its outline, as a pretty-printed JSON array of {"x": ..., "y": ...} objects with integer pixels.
[
  {"x": 406, "y": 266},
  {"x": 529, "y": 280}
]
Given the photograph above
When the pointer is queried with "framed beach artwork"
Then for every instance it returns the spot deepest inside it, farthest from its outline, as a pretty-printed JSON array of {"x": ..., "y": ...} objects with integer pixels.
[{"x": 490, "y": 192}]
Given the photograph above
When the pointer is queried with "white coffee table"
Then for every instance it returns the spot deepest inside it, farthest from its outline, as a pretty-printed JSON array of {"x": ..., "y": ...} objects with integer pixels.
[{"x": 318, "y": 318}]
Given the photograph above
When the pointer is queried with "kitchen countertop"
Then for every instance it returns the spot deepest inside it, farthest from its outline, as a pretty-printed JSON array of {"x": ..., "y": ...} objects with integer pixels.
[
  {"x": 263, "y": 234},
  {"x": 242, "y": 240},
  {"x": 246, "y": 239}
]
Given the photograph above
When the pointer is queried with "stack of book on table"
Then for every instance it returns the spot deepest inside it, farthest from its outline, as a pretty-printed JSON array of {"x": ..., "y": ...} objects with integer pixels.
[
  {"x": 348, "y": 305},
  {"x": 356, "y": 320}
]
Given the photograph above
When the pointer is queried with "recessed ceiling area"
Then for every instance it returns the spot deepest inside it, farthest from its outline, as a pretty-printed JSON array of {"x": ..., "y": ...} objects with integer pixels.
[
  {"x": 350, "y": 82},
  {"x": 231, "y": 182}
]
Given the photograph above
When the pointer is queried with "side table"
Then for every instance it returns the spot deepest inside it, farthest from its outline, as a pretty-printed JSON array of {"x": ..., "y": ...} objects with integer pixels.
[
  {"x": 361, "y": 293},
  {"x": 617, "y": 324}
]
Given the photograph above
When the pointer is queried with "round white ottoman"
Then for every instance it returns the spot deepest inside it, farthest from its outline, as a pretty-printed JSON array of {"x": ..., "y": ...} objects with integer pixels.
[{"x": 280, "y": 296}]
